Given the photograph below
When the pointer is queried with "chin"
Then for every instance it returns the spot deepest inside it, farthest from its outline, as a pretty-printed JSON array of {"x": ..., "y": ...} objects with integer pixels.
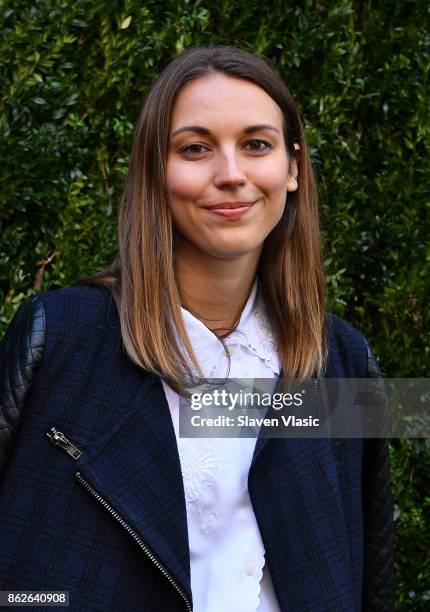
[{"x": 231, "y": 251}]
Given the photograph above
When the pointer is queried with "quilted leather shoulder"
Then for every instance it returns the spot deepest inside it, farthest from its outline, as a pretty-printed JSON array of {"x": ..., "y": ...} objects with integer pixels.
[{"x": 20, "y": 354}]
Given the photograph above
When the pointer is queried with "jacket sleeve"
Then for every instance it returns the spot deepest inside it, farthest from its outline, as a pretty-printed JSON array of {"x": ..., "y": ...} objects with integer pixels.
[
  {"x": 378, "y": 584},
  {"x": 20, "y": 354}
]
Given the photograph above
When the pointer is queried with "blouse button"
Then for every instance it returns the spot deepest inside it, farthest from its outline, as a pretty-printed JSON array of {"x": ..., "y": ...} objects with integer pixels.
[{"x": 250, "y": 569}]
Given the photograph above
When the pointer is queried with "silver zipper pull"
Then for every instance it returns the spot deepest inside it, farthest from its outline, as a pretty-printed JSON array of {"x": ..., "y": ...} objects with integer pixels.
[{"x": 59, "y": 439}]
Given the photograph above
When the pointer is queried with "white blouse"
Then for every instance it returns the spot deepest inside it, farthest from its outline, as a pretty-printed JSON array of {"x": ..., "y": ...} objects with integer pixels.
[{"x": 226, "y": 550}]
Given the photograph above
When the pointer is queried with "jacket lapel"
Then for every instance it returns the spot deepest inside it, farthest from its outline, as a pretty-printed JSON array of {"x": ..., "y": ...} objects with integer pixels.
[
  {"x": 294, "y": 490},
  {"x": 136, "y": 469}
]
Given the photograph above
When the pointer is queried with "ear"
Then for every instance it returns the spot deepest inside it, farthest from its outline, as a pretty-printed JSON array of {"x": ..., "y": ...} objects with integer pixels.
[{"x": 293, "y": 172}]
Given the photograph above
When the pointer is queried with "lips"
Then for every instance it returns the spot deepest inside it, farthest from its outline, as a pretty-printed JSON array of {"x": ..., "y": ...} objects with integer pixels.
[
  {"x": 230, "y": 205},
  {"x": 231, "y": 210}
]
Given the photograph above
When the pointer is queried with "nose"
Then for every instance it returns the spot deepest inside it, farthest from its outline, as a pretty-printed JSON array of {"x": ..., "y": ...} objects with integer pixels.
[{"x": 228, "y": 171}]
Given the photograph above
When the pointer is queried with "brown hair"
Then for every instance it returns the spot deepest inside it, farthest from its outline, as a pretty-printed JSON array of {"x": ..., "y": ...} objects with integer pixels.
[{"x": 142, "y": 279}]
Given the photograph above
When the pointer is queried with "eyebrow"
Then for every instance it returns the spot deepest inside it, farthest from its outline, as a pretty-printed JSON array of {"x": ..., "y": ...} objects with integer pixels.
[{"x": 205, "y": 132}]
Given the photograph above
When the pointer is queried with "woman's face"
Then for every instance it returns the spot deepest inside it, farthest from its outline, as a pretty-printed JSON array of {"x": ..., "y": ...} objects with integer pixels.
[{"x": 228, "y": 172}]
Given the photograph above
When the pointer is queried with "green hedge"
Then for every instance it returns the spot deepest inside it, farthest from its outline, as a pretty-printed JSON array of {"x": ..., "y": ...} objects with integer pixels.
[{"x": 74, "y": 76}]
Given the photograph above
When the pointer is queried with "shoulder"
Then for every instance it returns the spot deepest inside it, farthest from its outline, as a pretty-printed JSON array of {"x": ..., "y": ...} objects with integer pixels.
[
  {"x": 77, "y": 303},
  {"x": 85, "y": 299},
  {"x": 349, "y": 353},
  {"x": 80, "y": 317},
  {"x": 50, "y": 328},
  {"x": 340, "y": 331},
  {"x": 72, "y": 314}
]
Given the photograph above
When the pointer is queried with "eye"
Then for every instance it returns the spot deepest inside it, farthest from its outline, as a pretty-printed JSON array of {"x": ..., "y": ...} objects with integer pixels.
[
  {"x": 259, "y": 145},
  {"x": 193, "y": 149}
]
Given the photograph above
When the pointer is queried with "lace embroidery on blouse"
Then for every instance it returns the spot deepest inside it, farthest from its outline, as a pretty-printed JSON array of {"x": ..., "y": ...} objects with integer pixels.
[
  {"x": 265, "y": 347},
  {"x": 199, "y": 466}
]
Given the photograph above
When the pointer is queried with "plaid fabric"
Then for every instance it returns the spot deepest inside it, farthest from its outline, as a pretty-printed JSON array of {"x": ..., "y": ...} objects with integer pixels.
[{"x": 106, "y": 546}]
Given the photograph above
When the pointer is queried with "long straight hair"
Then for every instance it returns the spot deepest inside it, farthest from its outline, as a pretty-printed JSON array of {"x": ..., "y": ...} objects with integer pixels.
[{"x": 142, "y": 277}]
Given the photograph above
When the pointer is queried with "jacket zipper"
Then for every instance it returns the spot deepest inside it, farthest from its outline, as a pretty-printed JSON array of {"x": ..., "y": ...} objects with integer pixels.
[{"x": 59, "y": 439}]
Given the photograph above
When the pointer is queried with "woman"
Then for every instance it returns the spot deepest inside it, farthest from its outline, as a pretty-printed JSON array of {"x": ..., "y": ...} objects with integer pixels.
[{"x": 219, "y": 273}]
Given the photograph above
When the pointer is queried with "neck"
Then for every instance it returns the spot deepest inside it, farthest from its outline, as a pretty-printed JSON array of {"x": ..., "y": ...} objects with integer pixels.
[{"x": 214, "y": 290}]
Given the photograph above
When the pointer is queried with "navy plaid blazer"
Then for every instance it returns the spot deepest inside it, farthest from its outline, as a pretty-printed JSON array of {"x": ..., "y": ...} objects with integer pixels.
[{"x": 105, "y": 518}]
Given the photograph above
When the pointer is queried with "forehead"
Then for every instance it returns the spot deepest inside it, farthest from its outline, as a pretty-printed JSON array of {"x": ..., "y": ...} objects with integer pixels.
[{"x": 218, "y": 98}]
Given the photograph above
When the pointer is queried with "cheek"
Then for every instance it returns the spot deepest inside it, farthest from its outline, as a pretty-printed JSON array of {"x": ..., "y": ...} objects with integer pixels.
[
  {"x": 272, "y": 178},
  {"x": 184, "y": 183}
]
